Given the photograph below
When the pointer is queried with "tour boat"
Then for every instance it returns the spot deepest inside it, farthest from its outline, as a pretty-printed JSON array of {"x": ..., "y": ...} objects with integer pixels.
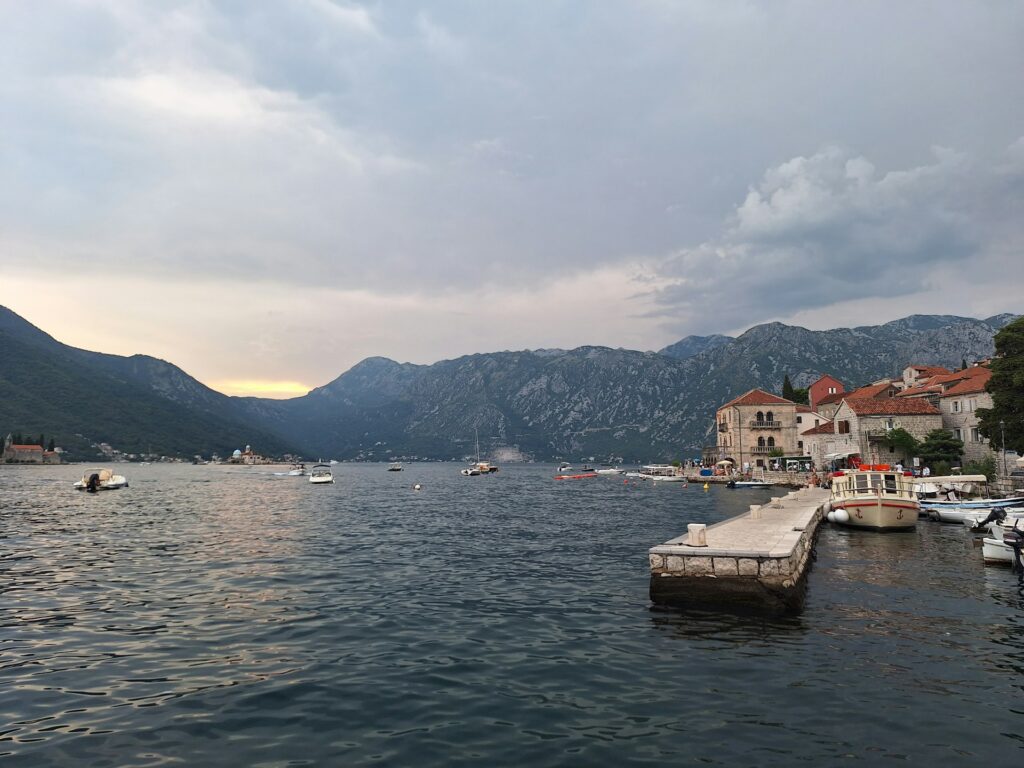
[
  {"x": 875, "y": 497},
  {"x": 100, "y": 480},
  {"x": 664, "y": 473},
  {"x": 320, "y": 474},
  {"x": 395, "y": 466}
]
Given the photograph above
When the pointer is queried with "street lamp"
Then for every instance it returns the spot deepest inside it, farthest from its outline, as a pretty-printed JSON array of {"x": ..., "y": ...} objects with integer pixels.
[{"x": 1002, "y": 432}]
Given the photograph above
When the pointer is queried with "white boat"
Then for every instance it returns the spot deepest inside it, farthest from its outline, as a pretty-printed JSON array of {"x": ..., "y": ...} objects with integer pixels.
[
  {"x": 100, "y": 480},
  {"x": 564, "y": 466},
  {"x": 478, "y": 467},
  {"x": 297, "y": 471},
  {"x": 1004, "y": 546},
  {"x": 875, "y": 497},
  {"x": 395, "y": 466},
  {"x": 610, "y": 471},
  {"x": 958, "y": 493},
  {"x": 977, "y": 518},
  {"x": 320, "y": 474},
  {"x": 663, "y": 473}
]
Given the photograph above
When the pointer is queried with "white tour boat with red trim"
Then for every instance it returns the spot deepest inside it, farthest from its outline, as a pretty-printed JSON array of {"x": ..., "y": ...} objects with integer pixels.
[{"x": 874, "y": 496}]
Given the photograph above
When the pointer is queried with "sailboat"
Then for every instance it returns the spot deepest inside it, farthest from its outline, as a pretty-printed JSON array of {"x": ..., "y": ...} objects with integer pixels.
[{"x": 478, "y": 467}]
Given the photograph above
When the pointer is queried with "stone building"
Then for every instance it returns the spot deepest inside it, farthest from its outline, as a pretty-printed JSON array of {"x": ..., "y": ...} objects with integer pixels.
[
  {"x": 755, "y": 426},
  {"x": 959, "y": 405},
  {"x": 915, "y": 375},
  {"x": 13, "y": 453},
  {"x": 868, "y": 422}
]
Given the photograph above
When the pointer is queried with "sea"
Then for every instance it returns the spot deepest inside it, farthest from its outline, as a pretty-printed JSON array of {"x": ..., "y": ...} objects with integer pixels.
[{"x": 228, "y": 616}]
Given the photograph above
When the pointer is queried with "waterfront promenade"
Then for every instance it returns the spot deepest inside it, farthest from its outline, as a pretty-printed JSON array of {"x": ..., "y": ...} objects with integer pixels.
[{"x": 757, "y": 560}]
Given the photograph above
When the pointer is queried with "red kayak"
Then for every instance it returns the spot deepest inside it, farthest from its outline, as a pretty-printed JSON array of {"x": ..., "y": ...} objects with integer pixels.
[{"x": 576, "y": 477}]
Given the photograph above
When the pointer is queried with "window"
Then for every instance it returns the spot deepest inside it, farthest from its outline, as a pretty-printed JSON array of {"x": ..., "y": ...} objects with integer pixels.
[
  {"x": 972, "y": 403},
  {"x": 759, "y": 416},
  {"x": 799, "y": 419},
  {"x": 975, "y": 435},
  {"x": 771, "y": 442},
  {"x": 831, "y": 390},
  {"x": 956, "y": 406},
  {"x": 958, "y": 434},
  {"x": 760, "y": 442},
  {"x": 843, "y": 427},
  {"x": 800, "y": 446},
  {"x": 769, "y": 416}
]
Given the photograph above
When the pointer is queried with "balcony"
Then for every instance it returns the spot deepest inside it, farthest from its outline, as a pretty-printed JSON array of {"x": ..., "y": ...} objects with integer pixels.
[
  {"x": 765, "y": 424},
  {"x": 763, "y": 450}
]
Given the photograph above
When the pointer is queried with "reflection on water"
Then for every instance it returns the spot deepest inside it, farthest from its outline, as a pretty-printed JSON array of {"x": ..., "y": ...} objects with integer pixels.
[{"x": 225, "y": 616}]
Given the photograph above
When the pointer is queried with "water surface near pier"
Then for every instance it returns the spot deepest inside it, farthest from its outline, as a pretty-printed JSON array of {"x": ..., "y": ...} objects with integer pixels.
[{"x": 225, "y": 616}]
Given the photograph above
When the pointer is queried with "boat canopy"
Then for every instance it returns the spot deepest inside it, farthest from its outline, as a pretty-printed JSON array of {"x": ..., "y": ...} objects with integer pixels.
[
  {"x": 950, "y": 479},
  {"x": 840, "y": 455},
  {"x": 105, "y": 474}
]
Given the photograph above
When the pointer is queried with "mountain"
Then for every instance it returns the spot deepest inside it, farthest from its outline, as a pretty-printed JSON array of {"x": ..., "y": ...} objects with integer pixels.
[
  {"x": 694, "y": 345},
  {"x": 589, "y": 401},
  {"x": 596, "y": 401},
  {"x": 133, "y": 403}
]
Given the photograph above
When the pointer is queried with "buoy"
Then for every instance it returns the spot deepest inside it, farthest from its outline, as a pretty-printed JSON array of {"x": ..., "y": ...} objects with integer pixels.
[
  {"x": 706, "y": 486},
  {"x": 417, "y": 487}
]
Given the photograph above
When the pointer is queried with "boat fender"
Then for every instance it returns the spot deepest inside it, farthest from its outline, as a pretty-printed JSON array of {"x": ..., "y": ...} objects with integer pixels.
[
  {"x": 830, "y": 516},
  {"x": 842, "y": 516}
]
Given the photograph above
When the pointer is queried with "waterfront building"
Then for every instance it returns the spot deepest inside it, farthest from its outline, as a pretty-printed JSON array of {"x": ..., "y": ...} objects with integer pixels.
[
  {"x": 755, "y": 427},
  {"x": 881, "y": 389},
  {"x": 14, "y": 453},
  {"x": 868, "y": 421}
]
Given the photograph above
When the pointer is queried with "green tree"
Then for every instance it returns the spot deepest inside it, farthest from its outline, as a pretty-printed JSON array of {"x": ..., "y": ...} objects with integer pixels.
[
  {"x": 963, "y": 363},
  {"x": 801, "y": 395},
  {"x": 787, "y": 388},
  {"x": 42, "y": 440},
  {"x": 52, "y": 445},
  {"x": 986, "y": 467},
  {"x": 902, "y": 441},
  {"x": 940, "y": 446},
  {"x": 1006, "y": 416}
]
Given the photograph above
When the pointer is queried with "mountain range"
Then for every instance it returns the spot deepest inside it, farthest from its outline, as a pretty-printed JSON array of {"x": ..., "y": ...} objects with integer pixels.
[{"x": 588, "y": 401}]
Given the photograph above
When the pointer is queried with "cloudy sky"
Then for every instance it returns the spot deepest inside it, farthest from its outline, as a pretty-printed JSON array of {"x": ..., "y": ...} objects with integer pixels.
[{"x": 266, "y": 193}]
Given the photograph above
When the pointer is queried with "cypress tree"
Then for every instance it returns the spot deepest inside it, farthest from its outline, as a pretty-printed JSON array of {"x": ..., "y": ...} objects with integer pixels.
[{"x": 787, "y": 388}]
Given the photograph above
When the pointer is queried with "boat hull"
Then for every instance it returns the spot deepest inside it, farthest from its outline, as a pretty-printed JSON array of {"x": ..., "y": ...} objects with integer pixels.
[{"x": 878, "y": 514}]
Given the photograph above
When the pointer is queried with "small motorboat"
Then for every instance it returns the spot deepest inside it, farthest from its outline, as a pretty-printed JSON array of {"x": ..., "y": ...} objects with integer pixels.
[
  {"x": 298, "y": 470},
  {"x": 469, "y": 471},
  {"x": 321, "y": 474},
  {"x": 100, "y": 480},
  {"x": 610, "y": 471},
  {"x": 979, "y": 519},
  {"x": 395, "y": 466},
  {"x": 1005, "y": 544},
  {"x": 564, "y": 466},
  {"x": 748, "y": 484}
]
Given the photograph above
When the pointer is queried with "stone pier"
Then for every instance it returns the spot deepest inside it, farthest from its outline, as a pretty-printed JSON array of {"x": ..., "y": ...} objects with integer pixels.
[{"x": 756, "y": 560}]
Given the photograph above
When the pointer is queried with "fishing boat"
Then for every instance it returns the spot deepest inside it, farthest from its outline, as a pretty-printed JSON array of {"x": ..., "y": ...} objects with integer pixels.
[
  {"x": 100, "y": 480},
  {"x": 321, "y": 474},
  {"x": 875, "y": 497}
]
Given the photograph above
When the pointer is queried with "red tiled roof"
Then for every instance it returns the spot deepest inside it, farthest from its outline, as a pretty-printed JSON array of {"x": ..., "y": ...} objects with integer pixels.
[
  {"x": 971, "y": 384},
  {"x": 827, "y": 428},
  {"x": 936, "y": 384},
  {"x": 757, "y": 397},
  {"x": 871, "y": 390},
  {"x": 803, "y": 409},
  {"x": 891, "y": 407},
  {"x": 26, "y": 447},
  {"x": 930, "y": 370}
]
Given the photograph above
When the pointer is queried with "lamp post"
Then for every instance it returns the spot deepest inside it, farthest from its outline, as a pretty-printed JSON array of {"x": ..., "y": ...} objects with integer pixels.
[{"x": 1002, "y": 433}]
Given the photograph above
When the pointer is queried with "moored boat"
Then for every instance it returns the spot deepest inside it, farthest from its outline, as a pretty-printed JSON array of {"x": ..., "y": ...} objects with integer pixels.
[
  {"x": 875, "y": 497},
  {"x": 395, "y": 466},
  {"x": 100, "y": 480},
  {"x": 664, "y": 473}
]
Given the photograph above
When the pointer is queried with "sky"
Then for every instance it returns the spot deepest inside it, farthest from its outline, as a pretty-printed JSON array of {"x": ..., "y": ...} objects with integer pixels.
[{"x": 267, "y": 193}]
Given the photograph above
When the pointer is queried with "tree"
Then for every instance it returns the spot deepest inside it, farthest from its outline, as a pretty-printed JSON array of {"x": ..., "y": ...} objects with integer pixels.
[
  {"x": 52, "y": 446},
  {"x": 940, "y": 446},
  {"x": 801, "y": 395},
  {"x": 986, "y": 467},
  {"x": 963, "y": 363},
  {"x": 904, "y": 442},
  {"x": 1007, "y": 389},
  {"x": 787, "y": 388}
]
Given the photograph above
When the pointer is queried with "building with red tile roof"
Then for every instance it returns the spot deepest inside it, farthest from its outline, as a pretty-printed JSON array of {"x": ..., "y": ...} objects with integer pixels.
[
  {"x": 756, "y": 426},
  {"x": 824, "y": 387}
]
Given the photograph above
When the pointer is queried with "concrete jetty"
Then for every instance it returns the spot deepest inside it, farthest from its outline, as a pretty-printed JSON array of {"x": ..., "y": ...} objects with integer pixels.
[{"x": 758, "y": 559}]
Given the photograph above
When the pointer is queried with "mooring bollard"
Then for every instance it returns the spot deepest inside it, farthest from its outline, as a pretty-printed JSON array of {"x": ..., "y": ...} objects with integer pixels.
[
  {"x": 755, "y": 512},
  {"x": 697, "y": 535}
]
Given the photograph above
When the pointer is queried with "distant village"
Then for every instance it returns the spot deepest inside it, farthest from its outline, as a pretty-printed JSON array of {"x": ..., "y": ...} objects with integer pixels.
[{"x": 839, "y": 427}]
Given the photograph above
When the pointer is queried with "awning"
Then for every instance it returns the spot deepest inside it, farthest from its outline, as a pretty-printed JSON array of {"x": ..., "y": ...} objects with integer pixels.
[
  {"x": 724, "y": 462},
  {"x": 840, "y": 455}
]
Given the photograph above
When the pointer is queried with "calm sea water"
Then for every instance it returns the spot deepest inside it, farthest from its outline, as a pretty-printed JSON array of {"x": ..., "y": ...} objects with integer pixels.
[{"x": 225, "y": 616}]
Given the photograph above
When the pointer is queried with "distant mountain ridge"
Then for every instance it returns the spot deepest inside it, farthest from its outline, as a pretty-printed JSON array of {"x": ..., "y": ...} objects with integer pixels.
[{"x": 588, "y": 401}]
